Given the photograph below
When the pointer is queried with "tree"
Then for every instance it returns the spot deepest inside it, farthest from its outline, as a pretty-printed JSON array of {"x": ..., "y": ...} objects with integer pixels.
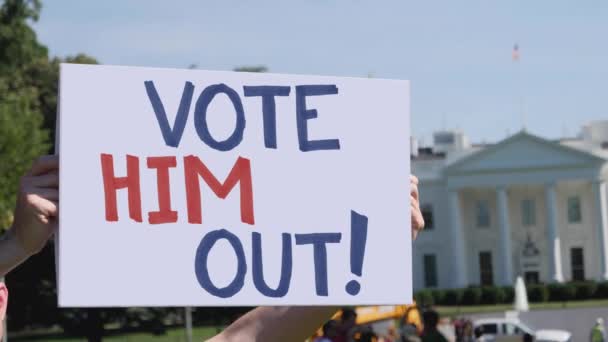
[
  {"x": 28, "y": 88},
  {"x": 22, "y": 139}
]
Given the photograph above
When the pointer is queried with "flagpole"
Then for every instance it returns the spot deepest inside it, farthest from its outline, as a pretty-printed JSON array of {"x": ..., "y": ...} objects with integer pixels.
[
  {"x": 518, "y": 86},
  {"x": 188, "y": 323}
]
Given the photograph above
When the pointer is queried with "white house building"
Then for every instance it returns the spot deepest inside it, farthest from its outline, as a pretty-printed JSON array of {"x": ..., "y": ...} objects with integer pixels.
[{"x": 524, "y": 206}]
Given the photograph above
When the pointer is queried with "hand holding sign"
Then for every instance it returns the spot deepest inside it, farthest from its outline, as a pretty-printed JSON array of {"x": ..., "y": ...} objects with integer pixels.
[{"x": 37, "y": 205}]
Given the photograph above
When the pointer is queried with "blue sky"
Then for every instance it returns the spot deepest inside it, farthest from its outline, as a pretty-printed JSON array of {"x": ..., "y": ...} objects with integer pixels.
[{"x": 457, "y": 54}]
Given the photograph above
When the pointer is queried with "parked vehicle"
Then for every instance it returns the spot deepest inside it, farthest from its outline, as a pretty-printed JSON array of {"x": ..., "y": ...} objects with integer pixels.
[{"x": 505, "y": 329}]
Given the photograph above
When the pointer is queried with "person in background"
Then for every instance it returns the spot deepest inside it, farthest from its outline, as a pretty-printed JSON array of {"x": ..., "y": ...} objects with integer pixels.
[
  {"x": 430, "y": 332},
  {"x": 35, "y": 221},
  {"x": 347, "y": 329},
  {"x": 330, "y": 330},
  {"x": 411, "y": 318},
  {"x": 467, "y": 332},
  {"x": 598, "y": 333}
]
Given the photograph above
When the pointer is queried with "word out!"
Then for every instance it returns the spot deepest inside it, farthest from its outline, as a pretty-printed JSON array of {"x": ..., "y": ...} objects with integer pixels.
[
  {"x": 318, "y": 241},
  {"x": 172, "y": 135}
]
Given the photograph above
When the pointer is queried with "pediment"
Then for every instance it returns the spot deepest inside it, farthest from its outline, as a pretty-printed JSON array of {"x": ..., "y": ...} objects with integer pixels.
[{"x": 524, "y": 151}]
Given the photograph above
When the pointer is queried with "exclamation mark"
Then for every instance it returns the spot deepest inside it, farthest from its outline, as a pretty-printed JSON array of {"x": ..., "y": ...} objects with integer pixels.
[{"x": 358, "y": 238}]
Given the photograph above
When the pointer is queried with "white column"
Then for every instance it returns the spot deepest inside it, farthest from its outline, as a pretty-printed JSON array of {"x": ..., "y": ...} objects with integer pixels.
[
  {"x": 459, "y": 261},
  {"x": 505, "y": 236},
  {"x": 601, "y": 221},
  {"x": 553, "y": 238}
]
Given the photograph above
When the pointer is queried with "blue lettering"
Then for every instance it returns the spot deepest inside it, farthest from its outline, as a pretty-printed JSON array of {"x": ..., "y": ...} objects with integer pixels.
[
  {"x": 172, "y": 136},
  {"x": 200, "y": 117},
  {"x": 303, "y": 115},
  {"x": 258, "y": 267},
  {"x": 318, "y": 241},
  {"x": 202, "y": 272},
  {"x": 268, "y": 109}
]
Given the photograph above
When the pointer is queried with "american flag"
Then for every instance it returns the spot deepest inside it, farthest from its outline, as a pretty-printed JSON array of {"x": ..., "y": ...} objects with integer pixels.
[{"x": 515, "y": 54}]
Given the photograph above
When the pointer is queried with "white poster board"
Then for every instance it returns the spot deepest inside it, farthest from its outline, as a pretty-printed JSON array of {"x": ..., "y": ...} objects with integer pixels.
[{"x": 201, "y": 188}]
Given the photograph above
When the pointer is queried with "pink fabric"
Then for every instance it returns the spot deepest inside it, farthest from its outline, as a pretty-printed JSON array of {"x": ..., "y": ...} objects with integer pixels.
[{"x": 3, "y": 304}]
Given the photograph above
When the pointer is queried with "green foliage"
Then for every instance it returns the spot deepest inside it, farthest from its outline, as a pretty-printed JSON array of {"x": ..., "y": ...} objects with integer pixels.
[
  {"x": 453, "y": 297},
  {"x": 492, "y": 295},
  {"x": 22, "y": 139},
  {"x": 509, "y": 292},
  {"x": 561, "y": 292},
  {"x": 438, "y": 296},
  {"x": 471, "y": 296},
  {"x": 585, "y": 290},
  {"x": 537, "y": 293},
  {"x": 602, "y": 290},
  {"x": 424, "y": 298},
  {"x": 18, "y": 42},
  {"x": 28, "y": 97}
]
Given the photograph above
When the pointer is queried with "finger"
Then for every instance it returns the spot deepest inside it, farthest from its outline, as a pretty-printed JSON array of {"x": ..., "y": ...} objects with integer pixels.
[
  {"x": 414, "y": 191},
  {"x": 50, "y": 194},
  {"x": 417, "y": 217},
  {"x": 46, "y": 180},
  {"x": 414, "y": 179},
  {"x": 417, "y": 220},
  {"x": 42, "y": 205},
  {"x": 44, "y": 164},
  {"x": 50, "y": 208}
]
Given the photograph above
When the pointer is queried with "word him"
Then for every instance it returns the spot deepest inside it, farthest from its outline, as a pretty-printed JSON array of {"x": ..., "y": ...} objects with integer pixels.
[{"x": 194, "y": 169}]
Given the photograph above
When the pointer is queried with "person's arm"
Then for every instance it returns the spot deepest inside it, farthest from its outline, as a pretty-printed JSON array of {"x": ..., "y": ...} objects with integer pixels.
[
  {"x": 297, "y": 323},
  {"x": 35, "y": 218}
]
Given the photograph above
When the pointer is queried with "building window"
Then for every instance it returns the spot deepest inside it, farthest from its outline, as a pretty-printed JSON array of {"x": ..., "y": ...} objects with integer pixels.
[
  {"x": 430, "y": 270},
  {"x": 577, "y": 264},
  {"x": 528, "y": 212},
  {"x": 427, "y": 215},
  {"x": 531, "y": 277},
  {"x": 486, "y": 273},
  {"x": 574, "y": 209},
  {"x": 482, "y": 214}
]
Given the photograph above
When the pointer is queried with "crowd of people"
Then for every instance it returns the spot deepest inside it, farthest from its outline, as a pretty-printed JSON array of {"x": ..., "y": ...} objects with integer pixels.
[{"x": 346, "y": 329}]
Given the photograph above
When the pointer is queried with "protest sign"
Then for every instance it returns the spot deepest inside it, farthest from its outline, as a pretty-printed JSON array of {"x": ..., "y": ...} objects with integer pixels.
[{"x": 201, "y": 188}]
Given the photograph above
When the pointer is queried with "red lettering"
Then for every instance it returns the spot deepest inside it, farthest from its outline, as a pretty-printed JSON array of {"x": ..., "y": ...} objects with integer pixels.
[
  {"x": 164, "y": 213},
  {"x": 111, "y": 184},
  {"x": 240, "y": 173}
]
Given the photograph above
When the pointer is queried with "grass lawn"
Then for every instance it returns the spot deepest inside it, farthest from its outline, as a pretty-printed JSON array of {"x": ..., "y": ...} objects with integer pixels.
[
  {"x": 454, "y": 311},
  {"x": 173, "y": 335}
]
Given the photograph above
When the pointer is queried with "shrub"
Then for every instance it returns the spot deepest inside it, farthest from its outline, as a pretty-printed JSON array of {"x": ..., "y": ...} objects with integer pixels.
[
  {"x": 509, "y": 295},
  {"x": 585, "y": 290},
  {"x": 602, "y": 290},
  {"x": 424, "y": 298},
  {"x": 537, "y": 293},
  {"x": 453, "y": 297},
  {"x": 561, "y": 292},
  {"x": 471, "y": 296},
  {"x": 438, "y": 296},
  {"x": 492, "y": 295}
]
